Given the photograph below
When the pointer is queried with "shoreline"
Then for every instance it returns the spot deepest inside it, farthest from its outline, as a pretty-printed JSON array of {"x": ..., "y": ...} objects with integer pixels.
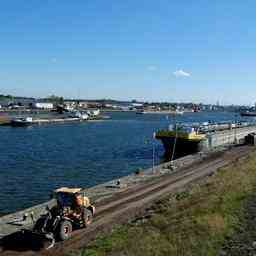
[
  {"x": 122, "y": 205},
  {"x": 106, "y": 191}
]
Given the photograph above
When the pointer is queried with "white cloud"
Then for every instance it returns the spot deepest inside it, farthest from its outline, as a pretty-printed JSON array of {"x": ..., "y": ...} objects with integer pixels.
[
  {"x": 181, "y": 73},
  {"x": 152, "y": 68}
]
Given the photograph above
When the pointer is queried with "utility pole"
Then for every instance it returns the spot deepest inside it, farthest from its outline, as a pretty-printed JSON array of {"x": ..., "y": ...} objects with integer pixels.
[
  {"x": 235, "y": 141},
  {"x": 175, "y": 139},
  {"x": 153, "y": 152}
]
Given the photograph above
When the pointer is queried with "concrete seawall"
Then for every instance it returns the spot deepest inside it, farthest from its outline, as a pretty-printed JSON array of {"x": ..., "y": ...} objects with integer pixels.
[
  {"x": 232, "y": 136},
  {"x": 26, "y": 218}
]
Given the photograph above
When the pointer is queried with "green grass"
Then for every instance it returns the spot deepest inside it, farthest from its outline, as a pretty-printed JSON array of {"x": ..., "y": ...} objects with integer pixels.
[{"x": 195, "y": 222}]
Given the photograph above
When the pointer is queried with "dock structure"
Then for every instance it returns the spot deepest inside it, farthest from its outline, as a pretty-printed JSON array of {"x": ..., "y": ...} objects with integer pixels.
[
  {"x": 184, "y": 143},
  {"x": 232, "y": 136}
]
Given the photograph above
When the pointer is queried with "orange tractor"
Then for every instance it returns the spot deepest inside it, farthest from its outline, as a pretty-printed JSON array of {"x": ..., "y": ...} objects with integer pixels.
[{"x": 73, "y": 211}]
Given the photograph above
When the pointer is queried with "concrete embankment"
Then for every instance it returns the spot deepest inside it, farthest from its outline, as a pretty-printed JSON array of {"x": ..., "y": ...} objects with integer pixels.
[
  {"x": 26, "y": 218},
  {"x": 231, "y": 136},
  {"x": 134, "y": 202},
  {"x": 124, "y": 202}
]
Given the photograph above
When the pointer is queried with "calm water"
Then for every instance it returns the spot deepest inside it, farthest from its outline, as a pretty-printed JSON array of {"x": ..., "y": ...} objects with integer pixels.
[{"x": 35, "y": 160}]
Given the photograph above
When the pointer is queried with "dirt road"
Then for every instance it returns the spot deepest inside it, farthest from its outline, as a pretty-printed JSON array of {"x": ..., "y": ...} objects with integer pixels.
[{"x": 133, "y": 202}]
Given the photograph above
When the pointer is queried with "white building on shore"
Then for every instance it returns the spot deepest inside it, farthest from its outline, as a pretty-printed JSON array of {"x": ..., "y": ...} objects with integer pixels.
[{"x": 43, "y": 105}]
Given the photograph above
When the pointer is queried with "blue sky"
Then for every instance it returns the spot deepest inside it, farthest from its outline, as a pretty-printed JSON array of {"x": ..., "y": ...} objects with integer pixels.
[{"x": 163, "y": 50}]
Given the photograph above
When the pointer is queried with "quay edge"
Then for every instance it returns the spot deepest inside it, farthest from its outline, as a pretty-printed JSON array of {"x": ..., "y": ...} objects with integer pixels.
[{"x": 15, "y": 222}]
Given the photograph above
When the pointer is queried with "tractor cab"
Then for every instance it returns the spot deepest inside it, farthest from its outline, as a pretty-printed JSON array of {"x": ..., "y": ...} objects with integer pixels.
[
  {"x": 73, "y": 211},
  {"x": 73, "y": 204},
  {"x": 71, "y": 198}
]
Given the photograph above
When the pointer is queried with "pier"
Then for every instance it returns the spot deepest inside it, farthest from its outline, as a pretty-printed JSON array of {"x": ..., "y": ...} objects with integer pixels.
[{"x": 232, "y": 136}]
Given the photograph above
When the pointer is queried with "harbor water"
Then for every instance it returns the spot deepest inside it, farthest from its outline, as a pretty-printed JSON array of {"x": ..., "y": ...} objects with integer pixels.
[{"x": 35, "y": 160}]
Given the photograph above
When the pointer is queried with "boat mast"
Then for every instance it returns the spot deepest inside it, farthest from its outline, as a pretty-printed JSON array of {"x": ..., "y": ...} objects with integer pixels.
[{"x": 175, "y": 138}]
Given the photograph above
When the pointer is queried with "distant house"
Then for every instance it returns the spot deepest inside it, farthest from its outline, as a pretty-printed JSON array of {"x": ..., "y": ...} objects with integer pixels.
[
  {"x": 43, "y": 105},
  {"x": 137, "y": 105}
]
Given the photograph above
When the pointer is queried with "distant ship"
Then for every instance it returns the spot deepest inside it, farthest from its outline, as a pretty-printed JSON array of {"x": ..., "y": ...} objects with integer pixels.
[
  {"x": 248, "y": 113},
  {"x": 170, "y": 112}
]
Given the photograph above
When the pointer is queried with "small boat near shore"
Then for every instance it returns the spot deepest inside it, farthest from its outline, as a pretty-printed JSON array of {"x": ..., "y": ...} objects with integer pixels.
[
  {"x": 22, "y": 121},
  {"x": 78, "y": 114}
]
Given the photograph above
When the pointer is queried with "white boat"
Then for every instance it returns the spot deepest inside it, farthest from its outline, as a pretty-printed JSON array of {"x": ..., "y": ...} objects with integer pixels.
[
  {"x": 78, "y": 114},
  {"x": 96, "y": 112},
  {"x": 22, "y": 121},
  {"x": 84, "y": 116}
]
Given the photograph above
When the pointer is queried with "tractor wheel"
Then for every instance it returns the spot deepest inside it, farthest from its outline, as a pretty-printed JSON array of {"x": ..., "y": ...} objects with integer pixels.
[
  {"x": 87, "y": 217},
  {"x": 65, "y": 230}
]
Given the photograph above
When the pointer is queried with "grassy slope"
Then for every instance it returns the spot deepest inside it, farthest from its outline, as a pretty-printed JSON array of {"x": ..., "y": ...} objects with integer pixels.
[{"x": 196, "y": 222}]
